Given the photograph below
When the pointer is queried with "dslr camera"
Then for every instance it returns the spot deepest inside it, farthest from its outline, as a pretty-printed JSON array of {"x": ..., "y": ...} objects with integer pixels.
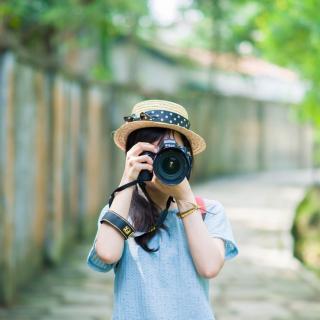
[{"x": 171, "y": 164}]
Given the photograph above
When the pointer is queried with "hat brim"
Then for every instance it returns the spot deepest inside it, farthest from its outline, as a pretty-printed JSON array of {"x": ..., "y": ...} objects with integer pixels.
[{"x": 197, "y": 143}]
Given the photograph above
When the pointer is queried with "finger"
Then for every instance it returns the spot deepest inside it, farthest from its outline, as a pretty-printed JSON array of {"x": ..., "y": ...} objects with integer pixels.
[
  {"x": 144, "y": 158},
  {"x": 142, "y": 166},
  {"x": 139, "y": 147},
  {"x": 140, "y": 159}
]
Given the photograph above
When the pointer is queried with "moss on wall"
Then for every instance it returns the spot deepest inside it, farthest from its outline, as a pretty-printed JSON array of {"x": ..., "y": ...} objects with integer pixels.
[{"x": 306, "y": 229}]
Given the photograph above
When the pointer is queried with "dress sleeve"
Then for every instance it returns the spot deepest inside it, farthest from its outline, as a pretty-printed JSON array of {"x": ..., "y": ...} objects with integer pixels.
[
  {"x": 219, "y": 226},
  {"x": 93, "y": 260}
]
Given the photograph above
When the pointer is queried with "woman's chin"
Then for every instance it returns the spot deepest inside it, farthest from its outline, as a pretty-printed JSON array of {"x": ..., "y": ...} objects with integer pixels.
[{"x": 153, "y": 185}]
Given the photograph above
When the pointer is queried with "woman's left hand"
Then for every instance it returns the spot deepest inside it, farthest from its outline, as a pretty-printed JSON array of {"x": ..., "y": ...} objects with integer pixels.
[{"x": 181, "y": 191}]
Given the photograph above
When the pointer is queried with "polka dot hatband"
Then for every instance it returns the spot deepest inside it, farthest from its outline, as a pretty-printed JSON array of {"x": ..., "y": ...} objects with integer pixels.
[{"x": 158, "y": 113}]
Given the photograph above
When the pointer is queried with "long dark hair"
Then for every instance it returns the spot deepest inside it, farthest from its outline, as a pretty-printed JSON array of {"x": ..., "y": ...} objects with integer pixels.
[{"x": 143, "y": 212}]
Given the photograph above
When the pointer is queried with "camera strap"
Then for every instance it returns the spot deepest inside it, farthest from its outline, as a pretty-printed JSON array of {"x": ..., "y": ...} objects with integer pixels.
[{"x": 142, "y": 185}]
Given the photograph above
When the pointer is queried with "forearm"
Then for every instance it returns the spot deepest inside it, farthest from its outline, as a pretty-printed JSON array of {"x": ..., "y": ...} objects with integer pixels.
[
  {"x": 205, "y": 252},
  {"x": 110, "y": 242}
]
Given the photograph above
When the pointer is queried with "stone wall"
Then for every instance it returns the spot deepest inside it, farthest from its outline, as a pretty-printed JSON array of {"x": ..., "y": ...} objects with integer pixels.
[{"x": 58, "y": 163}]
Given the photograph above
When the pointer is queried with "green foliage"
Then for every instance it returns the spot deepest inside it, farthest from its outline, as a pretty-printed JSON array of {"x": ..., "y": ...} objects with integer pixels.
[
  {"x": 73, "y": 15},
  {"x": 45, "y": 27},
  {"x": 291, "y": 37},
  {"x": 225, "y": 25},
  {"x": 286, "y": 32},
  {"x": 305, "y": 229}
]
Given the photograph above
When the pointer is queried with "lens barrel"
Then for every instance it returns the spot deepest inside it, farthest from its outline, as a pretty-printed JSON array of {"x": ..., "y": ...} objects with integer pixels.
[{"x": 171, "y": 164}]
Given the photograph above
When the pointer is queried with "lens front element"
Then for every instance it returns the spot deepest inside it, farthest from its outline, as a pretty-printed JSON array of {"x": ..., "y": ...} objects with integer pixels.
[{"x": 171, "y": 166}]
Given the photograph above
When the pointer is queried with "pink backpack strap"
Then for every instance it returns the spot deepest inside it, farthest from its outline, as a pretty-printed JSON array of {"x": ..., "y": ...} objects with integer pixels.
[{"x": 201, "y": 203}]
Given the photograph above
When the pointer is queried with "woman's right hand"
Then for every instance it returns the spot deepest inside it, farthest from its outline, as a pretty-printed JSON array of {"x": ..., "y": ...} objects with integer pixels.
[{"x": 135, "y": 163}]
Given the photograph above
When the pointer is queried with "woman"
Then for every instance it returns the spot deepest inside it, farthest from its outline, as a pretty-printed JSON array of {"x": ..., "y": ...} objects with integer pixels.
[{"x": 162, "y": 271}]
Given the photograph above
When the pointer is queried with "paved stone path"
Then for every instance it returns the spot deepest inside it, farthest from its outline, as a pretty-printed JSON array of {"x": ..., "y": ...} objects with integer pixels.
[{"x": 263, "y": 282}]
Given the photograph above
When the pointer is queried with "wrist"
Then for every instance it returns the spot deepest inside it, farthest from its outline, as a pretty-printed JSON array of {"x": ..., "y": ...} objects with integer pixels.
[
  {"x": 186, "y": 202},
  {"x": 194, "y": 208},
  {"x": 125, "y": 180}
]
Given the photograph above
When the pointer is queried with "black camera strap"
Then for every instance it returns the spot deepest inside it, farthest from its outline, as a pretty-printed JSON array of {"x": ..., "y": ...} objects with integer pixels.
[
  {"x": 142, "y": 185},
  {"x": 129, "y": 184}
]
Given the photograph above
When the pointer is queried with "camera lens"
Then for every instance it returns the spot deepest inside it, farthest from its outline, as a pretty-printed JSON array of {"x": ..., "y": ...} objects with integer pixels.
[{"x": 171, "y": 166}]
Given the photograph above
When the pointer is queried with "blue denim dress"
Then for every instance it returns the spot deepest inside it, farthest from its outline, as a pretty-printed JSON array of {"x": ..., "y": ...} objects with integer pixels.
[{"x": 165, "y": 285}]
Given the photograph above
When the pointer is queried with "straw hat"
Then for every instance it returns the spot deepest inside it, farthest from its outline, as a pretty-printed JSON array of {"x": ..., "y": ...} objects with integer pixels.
[{"x": 158, "y": 113}]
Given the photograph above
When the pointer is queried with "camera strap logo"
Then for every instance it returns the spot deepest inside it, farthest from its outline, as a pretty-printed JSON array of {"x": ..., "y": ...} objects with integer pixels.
[{"x": 127, "y": 230}]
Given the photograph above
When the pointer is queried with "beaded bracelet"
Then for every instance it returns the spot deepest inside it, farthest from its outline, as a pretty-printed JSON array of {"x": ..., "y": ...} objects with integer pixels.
[{"x": 189, "y": 211}]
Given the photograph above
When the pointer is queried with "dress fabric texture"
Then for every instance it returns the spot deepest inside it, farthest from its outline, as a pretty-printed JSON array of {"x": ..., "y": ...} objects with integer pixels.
[{"x": 165, "y": 285}]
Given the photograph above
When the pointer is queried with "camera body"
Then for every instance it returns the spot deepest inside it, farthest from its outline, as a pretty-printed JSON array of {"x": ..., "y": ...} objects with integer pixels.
[{"x": 171, "y": 164}]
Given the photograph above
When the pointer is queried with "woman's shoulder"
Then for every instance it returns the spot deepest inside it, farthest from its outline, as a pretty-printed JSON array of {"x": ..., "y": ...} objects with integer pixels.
[{"x": 210, "y": 204}]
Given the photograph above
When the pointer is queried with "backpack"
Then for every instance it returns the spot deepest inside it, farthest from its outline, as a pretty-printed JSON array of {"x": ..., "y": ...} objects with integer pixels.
[{"x": 201, "y": 203}]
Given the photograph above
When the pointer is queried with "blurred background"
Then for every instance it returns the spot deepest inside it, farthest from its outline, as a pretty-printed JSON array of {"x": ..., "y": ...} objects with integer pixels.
[{"x": 248, "y": 74}]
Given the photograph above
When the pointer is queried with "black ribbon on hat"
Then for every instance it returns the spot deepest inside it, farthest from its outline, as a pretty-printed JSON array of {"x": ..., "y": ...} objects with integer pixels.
[{"x": 160, "y": 116}]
